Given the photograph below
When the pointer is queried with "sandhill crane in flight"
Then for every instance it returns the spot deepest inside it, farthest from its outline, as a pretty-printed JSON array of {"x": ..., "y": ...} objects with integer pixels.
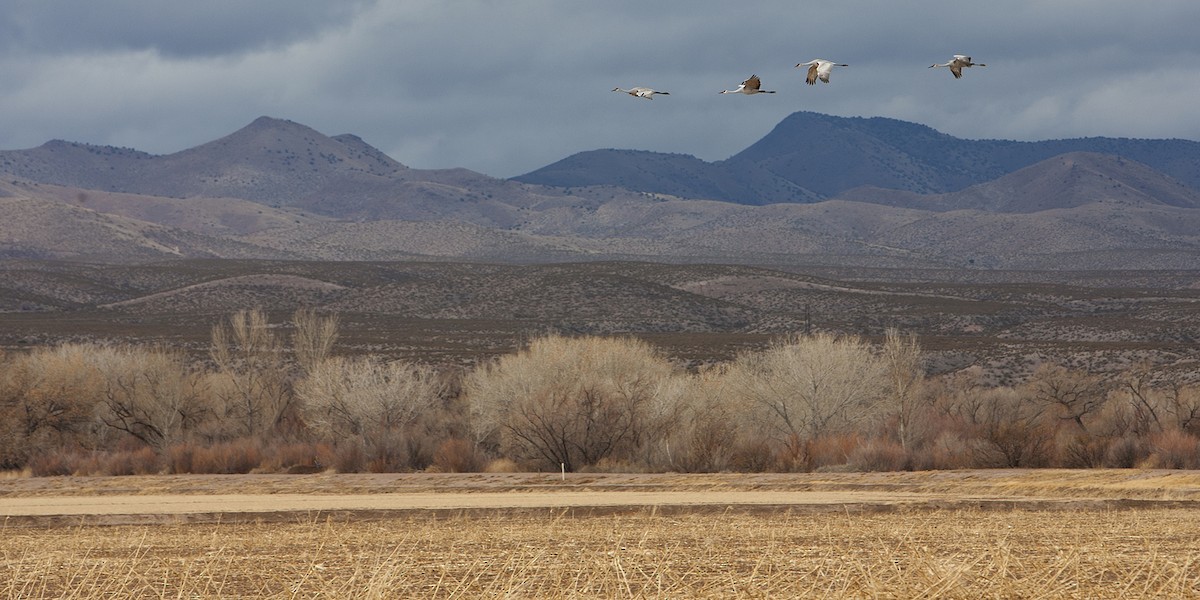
[
  {"x": 752, "y": 85},
  {"x": 642, "y": 92},
  {"x": 819, "y": 68},
  {"x": 957, "y": 64}
]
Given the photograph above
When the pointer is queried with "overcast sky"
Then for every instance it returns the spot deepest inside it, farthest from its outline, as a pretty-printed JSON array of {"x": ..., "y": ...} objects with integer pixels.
[{"x": 505, "y": 87}]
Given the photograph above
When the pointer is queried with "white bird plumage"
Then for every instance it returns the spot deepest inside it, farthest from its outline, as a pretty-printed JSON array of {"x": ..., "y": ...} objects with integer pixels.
[
  {"x": 753, "y": 85},
  {"x": 819, "y": 68},
  {"x": 642, "y": 92},
  {"x": 957, "y": 64}
]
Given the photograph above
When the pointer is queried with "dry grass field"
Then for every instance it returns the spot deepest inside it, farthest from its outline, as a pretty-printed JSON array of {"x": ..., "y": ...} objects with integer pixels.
[
  {"x": 982, "y": 534},
  {"x": 1152, "y": 553}
]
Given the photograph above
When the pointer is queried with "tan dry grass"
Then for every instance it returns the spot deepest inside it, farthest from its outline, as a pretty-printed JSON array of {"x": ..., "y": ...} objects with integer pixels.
[{"x": 944, "y": 554}]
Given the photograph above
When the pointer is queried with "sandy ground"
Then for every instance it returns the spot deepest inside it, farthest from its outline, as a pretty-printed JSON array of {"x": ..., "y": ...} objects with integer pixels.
[
  {"x": 206, "y": 498},
  {"x": 260, "y": 503}
]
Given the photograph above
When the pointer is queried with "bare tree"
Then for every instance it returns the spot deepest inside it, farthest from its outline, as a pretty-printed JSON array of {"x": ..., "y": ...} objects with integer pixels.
[
  {"x": 902, "y": 357},
  {"x": 804, "y": 387},
  {"x": 707, "y": 426},
  {"x": 1137, "y": 386},
  {"x": 1011, "y": 429},
  {"x": 1182, "y": 404},
  {"x": 150, "y": 394},
  {"x": 366, "y": 398},
  {"x": 47, "y": 400},
  {"x": 1073, "y": 395},
  {"x": 313, "y": 338},
  {"x": 569, "y": 401},
  {"x": 253, "y": 381}
]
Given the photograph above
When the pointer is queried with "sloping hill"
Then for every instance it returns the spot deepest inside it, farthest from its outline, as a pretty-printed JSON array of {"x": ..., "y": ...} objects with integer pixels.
[
  {"x": 1075, "y": 179},
  {"x": 37, "y": 228}
]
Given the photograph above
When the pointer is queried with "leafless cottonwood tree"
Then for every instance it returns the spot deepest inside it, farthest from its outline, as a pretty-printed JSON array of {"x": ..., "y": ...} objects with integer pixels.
[
  {"x": 1181, "y": 402},
  {"x": 151, "y": 394},
  {"x": 313, "y": 338},
  {"x": 569, "y": 401},
  {"x": 47, "y": 399},
  {"x": 804, "y": 387},
  {"x": 1072, "y": 395},
  {"x": 367, "y": 399},
  {"x": 708, "y": 427},
  {"x": 1011, "y": 429},
  {"x": 1137, "y": 387},
  {"x": 252, "y": 379},
  {"x": 901, "y": 355}
]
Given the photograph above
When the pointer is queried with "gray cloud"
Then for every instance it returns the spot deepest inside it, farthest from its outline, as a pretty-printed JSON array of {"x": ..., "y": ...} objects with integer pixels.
[
  {"x": 506, "y": 87},
  {"x": 176, "y": 29}
]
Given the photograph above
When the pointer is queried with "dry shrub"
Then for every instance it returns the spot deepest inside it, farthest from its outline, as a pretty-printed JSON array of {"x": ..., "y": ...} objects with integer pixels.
[
  {"x": 1125, "y": 453},
  {"x": 456, "y": 455},
  {"x": 1174, "y": 449},
  {"x": 180, "y": 457},
  {"x": 880, "y": 455},
  {"x": 707, "y": 448},
  {"x": 143, "y": 461},
  {"x": 16, "y": 474},
  {"x": 753, "y": 456},
  {"x": 237, "y": 456},
  {"x": 1081, "y": 451},
  {"x": 613, "y": 465},
  {"x": 396, "y": 452},
  {"x": 348, "y": 458},
  {"x": 285, "y": 457},
  {"x": 829, "y": 451},
  {"x": 950, "y": 451},
  {"x": 501, "y": 465},
  {"x": 54, "y": 463}
]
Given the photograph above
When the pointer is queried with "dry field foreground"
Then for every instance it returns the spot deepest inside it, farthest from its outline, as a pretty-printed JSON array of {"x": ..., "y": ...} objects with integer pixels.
[{"x": 967, "y": 534}]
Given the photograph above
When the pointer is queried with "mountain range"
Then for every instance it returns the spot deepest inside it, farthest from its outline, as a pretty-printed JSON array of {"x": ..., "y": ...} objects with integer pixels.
[
  {"x": 809, "y": 155},
  {"x": 816, "y": 190}
]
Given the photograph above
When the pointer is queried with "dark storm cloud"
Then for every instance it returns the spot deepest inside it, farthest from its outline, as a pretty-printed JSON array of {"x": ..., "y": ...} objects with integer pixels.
[
  {"x": 177, "y": 29},
  {"x": 506, "y": 87}
]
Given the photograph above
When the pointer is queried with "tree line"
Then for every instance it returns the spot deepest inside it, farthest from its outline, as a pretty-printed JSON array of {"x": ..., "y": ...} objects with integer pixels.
[{"x": 268, "y": 402}]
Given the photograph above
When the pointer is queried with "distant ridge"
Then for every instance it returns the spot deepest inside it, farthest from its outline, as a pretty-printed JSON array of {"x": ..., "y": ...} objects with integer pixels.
[
  {"x": 826, "y": 155},
  {"x": 269, "y": 160},
  {"x": 679, "y": 175}
]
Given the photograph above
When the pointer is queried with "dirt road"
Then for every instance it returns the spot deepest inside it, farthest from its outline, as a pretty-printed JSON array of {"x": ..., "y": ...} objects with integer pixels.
[
  {"x": 263, "y": 503},
  {"x": 274, "y": 497}
]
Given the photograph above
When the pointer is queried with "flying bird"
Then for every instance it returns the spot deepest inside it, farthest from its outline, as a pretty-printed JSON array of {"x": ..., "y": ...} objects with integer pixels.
[
  {"x": 957, "y": 64},
  {"x": 642, "y": 92},
  {"x": 819, "y": 68},
  {"x": 749, "y": 86}
]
